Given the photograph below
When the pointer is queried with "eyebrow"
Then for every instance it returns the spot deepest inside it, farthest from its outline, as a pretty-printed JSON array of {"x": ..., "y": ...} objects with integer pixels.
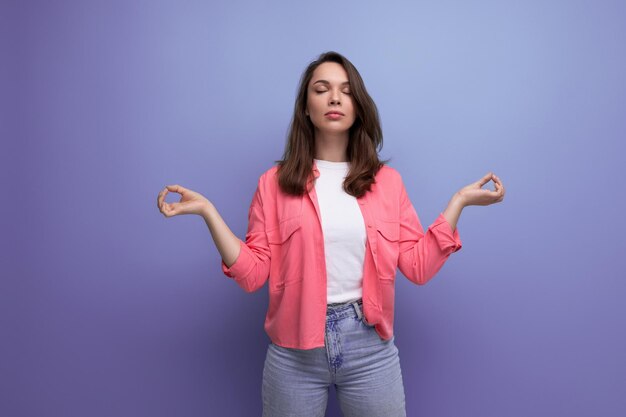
[{"x": 326, "y": 82}]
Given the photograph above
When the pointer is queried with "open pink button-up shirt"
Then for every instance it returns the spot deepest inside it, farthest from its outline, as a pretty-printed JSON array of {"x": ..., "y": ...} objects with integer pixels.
[{"x": 284, "y": 242}]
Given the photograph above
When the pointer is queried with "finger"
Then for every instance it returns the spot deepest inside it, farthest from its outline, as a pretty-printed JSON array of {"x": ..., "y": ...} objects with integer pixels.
[
  {"x": 498, "y": 184},
  {"x": 162, "y": 196},
  {"x": 175, "y": 208},
  {"x": 502, "y": 185},
  {"x": 176, "y": 188},
  {"x": 501, "y": 189},
  {"x": 484, "y": 180},
  {"x": 168, "y": 210}
]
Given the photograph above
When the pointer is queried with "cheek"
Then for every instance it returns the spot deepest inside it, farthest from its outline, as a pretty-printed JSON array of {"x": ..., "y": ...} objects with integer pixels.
[
  {"x": 352, "y": 109},
  {"x": 353, "y": 112},
  {"x": 314, "y": 105}
]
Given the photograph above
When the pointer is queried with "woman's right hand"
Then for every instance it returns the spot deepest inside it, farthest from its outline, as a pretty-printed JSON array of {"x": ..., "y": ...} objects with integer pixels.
[{"x": 191, "y": 202}]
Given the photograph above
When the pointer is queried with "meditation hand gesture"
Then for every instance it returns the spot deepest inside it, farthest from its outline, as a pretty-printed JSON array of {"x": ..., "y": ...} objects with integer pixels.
[
  {"x": 191, "y": 202},
  {"x": 474, "y": 195}
]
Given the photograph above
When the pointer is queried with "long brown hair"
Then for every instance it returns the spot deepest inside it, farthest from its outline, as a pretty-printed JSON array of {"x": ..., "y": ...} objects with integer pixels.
[{"x": 365, "y": 136}]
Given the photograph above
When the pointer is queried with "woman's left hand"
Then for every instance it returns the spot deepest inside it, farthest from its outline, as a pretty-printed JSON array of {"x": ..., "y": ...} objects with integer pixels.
[{"x": 474, "y": 195}]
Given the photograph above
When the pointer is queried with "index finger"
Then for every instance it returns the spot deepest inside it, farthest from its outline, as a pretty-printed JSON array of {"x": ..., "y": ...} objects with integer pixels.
[
  {"x": 497, "y": 180},
  {"x": 161, "y": 197}
]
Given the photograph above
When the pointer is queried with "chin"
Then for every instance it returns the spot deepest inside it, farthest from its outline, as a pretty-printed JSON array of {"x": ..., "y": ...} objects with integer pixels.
[{"x": 337, "y": 129}]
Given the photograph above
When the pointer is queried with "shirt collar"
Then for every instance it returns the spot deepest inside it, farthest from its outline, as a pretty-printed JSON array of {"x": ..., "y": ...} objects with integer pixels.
[{"x": 316, "y": 171}]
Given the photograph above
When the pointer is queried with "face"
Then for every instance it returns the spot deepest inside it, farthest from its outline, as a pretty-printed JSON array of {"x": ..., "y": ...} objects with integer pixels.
[{"x": 329, "y": 90}]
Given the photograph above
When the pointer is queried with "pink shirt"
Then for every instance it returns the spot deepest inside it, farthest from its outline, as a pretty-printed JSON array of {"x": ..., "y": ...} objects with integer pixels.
[{"x": 284, "y": 242}]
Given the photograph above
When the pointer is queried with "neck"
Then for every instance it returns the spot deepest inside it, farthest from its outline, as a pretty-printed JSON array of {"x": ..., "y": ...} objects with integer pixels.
[{"x": 331, "y": 146}]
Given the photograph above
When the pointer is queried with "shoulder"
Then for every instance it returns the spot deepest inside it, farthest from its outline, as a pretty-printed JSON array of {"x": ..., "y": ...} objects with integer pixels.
[
  {"x": 269, "y": 175},
  {"x": 268, "y": 180},
  {"x": 389, "y": 174}
]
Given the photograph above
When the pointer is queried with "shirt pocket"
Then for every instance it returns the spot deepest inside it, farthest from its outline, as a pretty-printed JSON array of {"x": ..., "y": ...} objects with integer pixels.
[
  {"x": 285, "y": 243},
  {"x": 387, "y": 249}
]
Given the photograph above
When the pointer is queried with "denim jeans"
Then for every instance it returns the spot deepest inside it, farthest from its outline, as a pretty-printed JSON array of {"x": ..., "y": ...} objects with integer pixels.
[{"x": 364, "y": 369}]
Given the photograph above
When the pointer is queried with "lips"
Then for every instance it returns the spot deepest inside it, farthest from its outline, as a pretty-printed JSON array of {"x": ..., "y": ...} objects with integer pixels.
[{"x": 335, "y": 112}]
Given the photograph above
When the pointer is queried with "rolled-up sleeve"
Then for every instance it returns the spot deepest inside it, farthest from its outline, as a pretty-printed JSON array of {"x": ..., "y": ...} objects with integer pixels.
[
  {"x": 422, "y": 255},
  {"x": 251, "y": 268}
]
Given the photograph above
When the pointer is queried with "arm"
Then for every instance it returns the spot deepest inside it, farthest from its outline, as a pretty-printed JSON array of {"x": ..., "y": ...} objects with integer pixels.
[
  {"x": 248, "y": 263},
  {"x": 453, "y": 211},
  {"x": 225, "y": 240},
  {"x": 423, "y": 254}
]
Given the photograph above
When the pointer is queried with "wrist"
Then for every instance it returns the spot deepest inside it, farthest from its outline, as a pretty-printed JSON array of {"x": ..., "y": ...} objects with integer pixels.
[
  {"x": 206, "y": 210},
  {"x": 458, "y": 200}
]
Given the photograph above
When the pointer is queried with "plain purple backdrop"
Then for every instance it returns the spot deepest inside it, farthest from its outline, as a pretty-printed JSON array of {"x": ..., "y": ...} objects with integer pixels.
[{"x": 110, "y": 309}]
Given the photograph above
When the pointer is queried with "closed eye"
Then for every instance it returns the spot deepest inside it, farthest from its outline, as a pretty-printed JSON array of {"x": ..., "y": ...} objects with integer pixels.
[{"x": 320, "y": 92}]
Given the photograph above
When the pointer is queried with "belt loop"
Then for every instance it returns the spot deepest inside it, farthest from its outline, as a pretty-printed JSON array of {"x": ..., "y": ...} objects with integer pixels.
[
  {"x": 359, "y": 313},
  {"x": 358, "y": 310}
]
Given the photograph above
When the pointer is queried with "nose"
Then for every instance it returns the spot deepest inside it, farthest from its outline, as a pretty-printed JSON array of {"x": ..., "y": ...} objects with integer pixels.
[{"x": 334, "y": 98}]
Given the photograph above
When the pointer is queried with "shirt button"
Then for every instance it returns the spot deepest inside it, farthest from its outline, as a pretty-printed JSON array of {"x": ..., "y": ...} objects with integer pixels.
[{"x": 369, "y": 225}]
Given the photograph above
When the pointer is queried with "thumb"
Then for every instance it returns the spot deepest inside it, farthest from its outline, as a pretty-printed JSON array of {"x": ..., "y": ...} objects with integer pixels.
[
  {"x": 484, "y": 180},
  {"x": 176, "y": 188}
]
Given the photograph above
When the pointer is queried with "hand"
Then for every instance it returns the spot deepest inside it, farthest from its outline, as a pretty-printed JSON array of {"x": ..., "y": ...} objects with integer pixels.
[
  {"x": 474, "y": 195},
  {"x": 191, "y": 202}
]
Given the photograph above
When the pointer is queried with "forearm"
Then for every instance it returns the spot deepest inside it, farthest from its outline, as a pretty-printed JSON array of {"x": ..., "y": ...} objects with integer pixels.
[
  {"x": 453, "y": 211},
  {"x": 225, "y": 240}
]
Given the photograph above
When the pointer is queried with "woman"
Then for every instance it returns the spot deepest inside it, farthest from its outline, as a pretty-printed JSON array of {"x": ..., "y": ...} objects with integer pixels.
[{"x": 328, "y": 226}]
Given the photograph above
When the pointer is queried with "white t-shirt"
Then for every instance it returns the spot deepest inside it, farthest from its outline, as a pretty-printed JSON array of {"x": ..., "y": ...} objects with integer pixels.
[{"x": 344, "y": 233}]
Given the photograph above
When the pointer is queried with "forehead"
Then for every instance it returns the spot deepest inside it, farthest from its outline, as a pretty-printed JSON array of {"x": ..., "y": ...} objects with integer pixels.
[{"x": 331, "y": 71}]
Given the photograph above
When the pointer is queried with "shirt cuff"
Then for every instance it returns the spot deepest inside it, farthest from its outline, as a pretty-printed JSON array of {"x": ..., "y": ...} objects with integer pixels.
[
  {"x": 448, "y": 240},
  {"x": 239, "y": 268}
]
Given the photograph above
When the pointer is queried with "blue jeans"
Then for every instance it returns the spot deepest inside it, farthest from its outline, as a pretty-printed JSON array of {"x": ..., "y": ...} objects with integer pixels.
[{"x": 364, "y": 368}]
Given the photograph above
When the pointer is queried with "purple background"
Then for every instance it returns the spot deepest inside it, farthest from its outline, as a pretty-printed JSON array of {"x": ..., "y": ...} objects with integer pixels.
[{"x": 110, "y": 309}]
